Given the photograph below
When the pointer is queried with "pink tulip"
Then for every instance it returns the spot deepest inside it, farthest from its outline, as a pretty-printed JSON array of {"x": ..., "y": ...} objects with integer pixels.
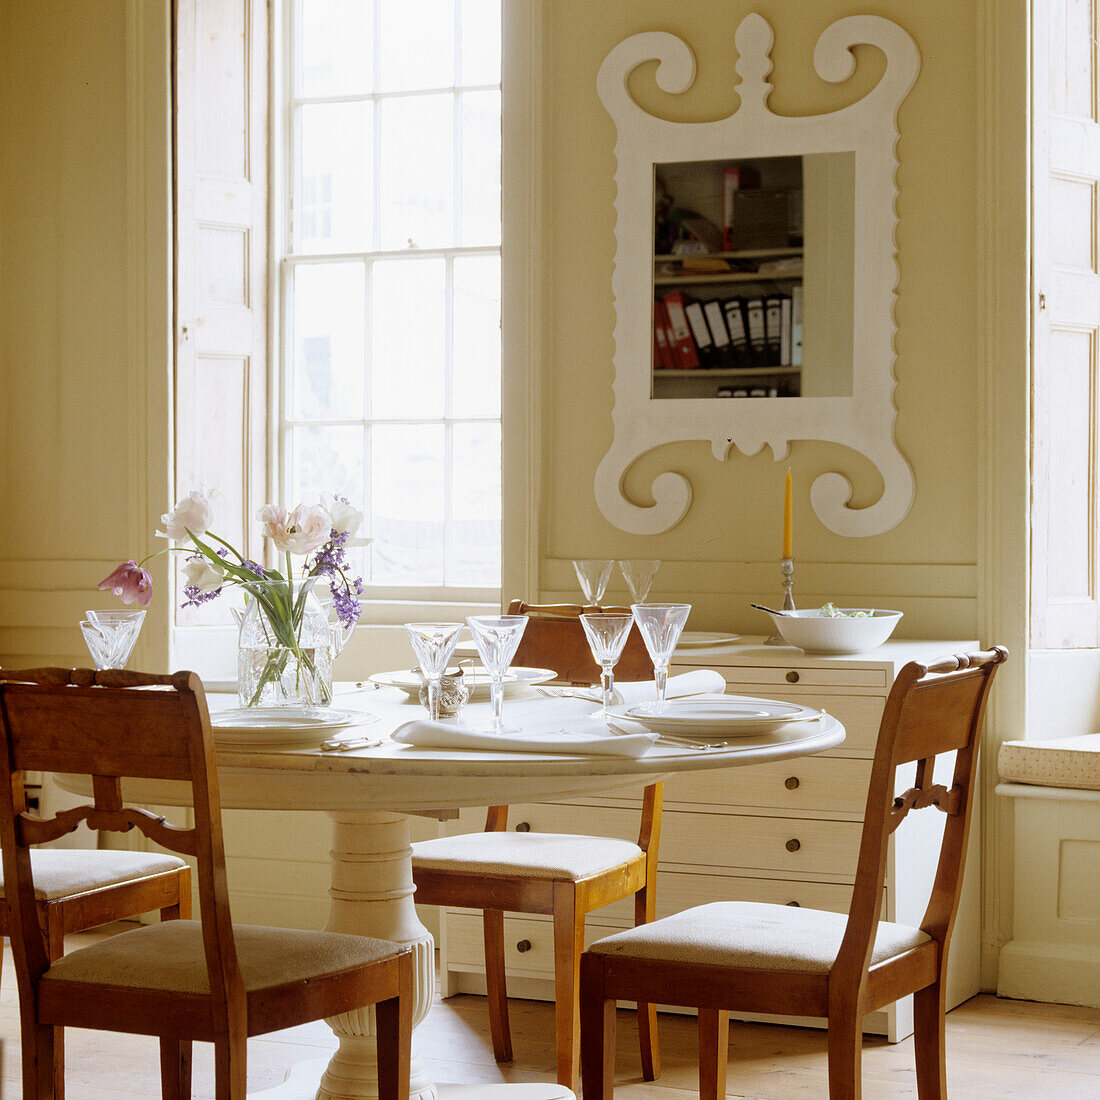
[{"x": 131, "y": 582}]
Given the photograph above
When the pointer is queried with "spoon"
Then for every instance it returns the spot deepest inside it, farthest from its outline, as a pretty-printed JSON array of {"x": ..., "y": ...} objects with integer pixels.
[{"x": 769, "y": 610}]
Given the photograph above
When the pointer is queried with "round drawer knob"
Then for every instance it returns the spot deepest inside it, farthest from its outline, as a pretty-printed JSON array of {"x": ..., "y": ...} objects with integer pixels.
[
  {"x": 791, "y": 783},
  {"x": 523, "y": 945},
  {"x": 523, "y": 827},
  {"x": 793, "y": 845},
  {"x": 795, "y": 904},
  {"x": 793, "y": 677}
]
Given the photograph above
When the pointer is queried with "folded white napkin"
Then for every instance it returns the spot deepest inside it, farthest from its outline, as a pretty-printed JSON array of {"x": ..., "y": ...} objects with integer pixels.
[
  {"x": 584, "y": 737},
  {"x": 701, "y": 682}
]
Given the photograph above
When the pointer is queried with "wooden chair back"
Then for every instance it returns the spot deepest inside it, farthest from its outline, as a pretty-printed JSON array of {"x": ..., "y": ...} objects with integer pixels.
[
  {"x": 931, "y": 710},
  {"x": 111, "y": 725},
  {"x": 554, "y": 638}
]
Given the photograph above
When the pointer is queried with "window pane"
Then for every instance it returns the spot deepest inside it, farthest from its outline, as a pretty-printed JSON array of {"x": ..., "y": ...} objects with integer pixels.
[
  {"x": 326, "y": 373},
  {"x": 408, "y": 501},
  {"x": 328, "y": 462},
  {"x": 416, "y": 180},
  {"x": 407, "y": 347},
  {"x": 476, "y": 389},
  {"x": 335, "y": 196},
  {"x": 480, "y": 50},
  {"x": 417, "y": 44},
  {"x": 475, "y": 492},
  {"x": 480, "y": 168},
  {"x": 334, "y": 51}
]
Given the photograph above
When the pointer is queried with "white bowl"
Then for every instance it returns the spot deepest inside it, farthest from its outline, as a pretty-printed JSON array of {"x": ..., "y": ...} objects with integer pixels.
[{"x": 817, "y": 633}]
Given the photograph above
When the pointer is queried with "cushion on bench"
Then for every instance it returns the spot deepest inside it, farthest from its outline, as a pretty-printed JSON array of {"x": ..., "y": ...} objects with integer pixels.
[{"x": 1062, "y": 762}]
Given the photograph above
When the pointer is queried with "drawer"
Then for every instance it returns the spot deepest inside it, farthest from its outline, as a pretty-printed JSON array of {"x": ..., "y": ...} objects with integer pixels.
[
  {"x": 791, "y": 845},
  {"x": 806, "y": 784},
  {"x": 745, "y": 677},
  {"x": 528, "y": 942}
]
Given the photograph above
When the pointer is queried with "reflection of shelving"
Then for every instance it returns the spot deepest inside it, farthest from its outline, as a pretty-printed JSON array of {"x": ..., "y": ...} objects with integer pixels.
[{"x": 739, "y": 344}]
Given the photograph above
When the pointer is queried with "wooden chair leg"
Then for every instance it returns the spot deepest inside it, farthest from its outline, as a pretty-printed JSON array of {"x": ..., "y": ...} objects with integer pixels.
[
  {"x": 597, "y": 1032},
  {"x": 647, "y": 1013},
  {"x": 496, "y": 984},
  {"x": 175, "y": 1069},
  {"x": 928, "y": 1042},
  {"x": 55, "y": 948},
  {"x": 230, "y": 1068},
  {"x": 182, "y": 909},
  {"x": 394, "y": 1036},
  {"x": 38, "y": 1057},
  {"x": 714, "y": 1043},
  {"x": 568, "y": 946},
  {"x": 845, "y": 1055}
]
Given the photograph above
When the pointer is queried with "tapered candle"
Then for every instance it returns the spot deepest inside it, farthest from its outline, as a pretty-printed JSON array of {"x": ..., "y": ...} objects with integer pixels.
[{"x": 788, "y": 516}]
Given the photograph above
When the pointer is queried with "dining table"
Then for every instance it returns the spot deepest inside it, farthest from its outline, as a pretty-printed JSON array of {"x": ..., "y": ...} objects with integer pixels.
[{"x": 371, "y": 791}]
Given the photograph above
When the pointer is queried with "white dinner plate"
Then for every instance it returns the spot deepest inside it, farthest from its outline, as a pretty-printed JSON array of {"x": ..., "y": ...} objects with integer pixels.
[
  {"x": 282, "y": 727},
  {"x": 715, "y": 715},
  {"x": 516, "y": 679},
  {"x": 697, "y": 639}
]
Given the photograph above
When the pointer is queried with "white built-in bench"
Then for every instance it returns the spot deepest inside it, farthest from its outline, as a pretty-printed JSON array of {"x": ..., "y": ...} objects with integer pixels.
[{"x": 1055, "y": 951}]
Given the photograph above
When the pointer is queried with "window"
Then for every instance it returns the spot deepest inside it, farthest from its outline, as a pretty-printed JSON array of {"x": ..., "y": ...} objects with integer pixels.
[{"x": 390, "y": 284}]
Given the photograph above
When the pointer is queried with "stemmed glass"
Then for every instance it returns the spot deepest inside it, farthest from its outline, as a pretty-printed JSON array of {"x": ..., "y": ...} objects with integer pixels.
[
  {"x": 661, "y": 625},
  {"x": 433, "y": 644},
  {"x": 497, "y": 638},
  {"x": 111, "y": 635},
  {"x": 593, "y": 575},
  {"x": 639, "y": 577},
  {"x": 607, "y": 636}
]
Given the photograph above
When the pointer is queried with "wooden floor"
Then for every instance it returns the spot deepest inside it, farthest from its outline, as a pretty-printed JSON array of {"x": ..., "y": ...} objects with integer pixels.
[{"x": 995, "y": 1049}]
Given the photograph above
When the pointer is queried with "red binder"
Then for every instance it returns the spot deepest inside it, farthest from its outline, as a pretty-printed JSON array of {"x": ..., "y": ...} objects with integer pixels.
[
  {"x": 664, "y": 354},
  {"x": 686, "y": 354}
]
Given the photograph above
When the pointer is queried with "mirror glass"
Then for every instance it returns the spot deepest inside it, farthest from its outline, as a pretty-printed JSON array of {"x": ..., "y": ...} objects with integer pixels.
[{"x": 753, "y": 277}]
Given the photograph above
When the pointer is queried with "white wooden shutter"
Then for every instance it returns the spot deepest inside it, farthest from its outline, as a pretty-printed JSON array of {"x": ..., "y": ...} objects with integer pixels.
[
  {"x": 221, "y": 113},
  {"x": 1066, "y": 144}
]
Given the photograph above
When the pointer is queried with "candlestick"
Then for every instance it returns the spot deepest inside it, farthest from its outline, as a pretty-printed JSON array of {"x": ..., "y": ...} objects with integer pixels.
[
  {"x": 786, "y": 567},
  {"x": 788, "y": 519}
]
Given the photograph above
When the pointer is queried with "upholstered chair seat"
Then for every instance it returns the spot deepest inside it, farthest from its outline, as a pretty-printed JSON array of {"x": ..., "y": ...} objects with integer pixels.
[
  {"x": 754, "y": 935},
  {"x": 63, "y": 872}
]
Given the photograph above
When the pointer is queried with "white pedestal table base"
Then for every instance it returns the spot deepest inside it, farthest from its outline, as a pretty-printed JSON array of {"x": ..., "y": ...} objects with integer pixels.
[{"x": 372, "y": 895}]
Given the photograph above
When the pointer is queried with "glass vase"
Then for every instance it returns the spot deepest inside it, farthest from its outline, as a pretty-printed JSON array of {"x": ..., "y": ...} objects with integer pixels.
[{"x": 285, "y": 651}]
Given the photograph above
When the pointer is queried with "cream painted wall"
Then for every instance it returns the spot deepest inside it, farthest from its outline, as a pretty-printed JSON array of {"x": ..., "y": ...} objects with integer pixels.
[
  {"x": 724, "y": 552},
  {"x": 84, "y": 317}
]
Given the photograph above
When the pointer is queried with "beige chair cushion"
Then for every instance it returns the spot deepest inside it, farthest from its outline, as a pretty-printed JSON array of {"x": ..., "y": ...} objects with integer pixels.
[
  {"x": 60, "y": 872},
  {"x": 536, "y": 855},
  {"x": 1062, "y": 762},
  {"x": 753, "y": 935},
  {"x": 169, "y": 956}
]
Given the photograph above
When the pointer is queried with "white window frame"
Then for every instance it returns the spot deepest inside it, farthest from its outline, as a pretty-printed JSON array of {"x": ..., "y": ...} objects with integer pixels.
[{"x": 387, "y": 606}]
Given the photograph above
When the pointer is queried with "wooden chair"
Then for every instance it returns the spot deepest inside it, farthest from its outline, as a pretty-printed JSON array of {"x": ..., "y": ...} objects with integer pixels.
[
  {"x": 181, "y": 980},
  {"x": 560, "y": 874},
  {"x": 775, "y": 959},
  {"x": 76, "y": 889}
]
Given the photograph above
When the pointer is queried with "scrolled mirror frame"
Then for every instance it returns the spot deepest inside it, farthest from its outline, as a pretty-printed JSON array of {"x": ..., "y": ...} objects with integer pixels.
[{"x": 868, "y": 129}]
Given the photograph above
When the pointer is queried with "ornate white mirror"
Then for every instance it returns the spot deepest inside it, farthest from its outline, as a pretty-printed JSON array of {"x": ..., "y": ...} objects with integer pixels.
[{"x": 783, "y": 300}]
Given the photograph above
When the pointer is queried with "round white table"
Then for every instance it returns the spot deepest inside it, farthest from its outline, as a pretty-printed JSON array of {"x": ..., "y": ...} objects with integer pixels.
[{"x": 369, "y": 794}]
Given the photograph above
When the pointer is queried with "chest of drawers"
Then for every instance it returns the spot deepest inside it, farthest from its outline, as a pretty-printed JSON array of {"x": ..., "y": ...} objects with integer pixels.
[{"x": 786, "y": 832}]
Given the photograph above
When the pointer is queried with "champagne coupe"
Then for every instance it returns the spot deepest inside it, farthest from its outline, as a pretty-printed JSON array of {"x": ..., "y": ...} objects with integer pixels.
[
  {"x": 661, "y": 625},
  {"x": 111, "y": 635},
  {"x": 497, "y": 638},
  {"x": 639, "y": 578},
  {"x": 433, "y": 644},
  {"x": 607, "y": 636}
]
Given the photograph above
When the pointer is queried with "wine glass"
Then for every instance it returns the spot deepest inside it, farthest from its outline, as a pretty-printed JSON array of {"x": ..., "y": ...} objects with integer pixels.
[
  {"x": 607, "y": 635},
  {"x": 593, "y": 575},
  {"x": 111, "y": 635},
  {"x": 497, "y": 638},
  {"x": 433, "y": 644},
  {"x": 661, "y": 624},
  {"x": 639, "y": 578}
]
